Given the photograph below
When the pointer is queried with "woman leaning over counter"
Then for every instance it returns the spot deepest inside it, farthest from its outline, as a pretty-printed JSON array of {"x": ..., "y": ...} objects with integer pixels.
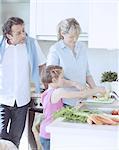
[{"x": 70, "y": 54}]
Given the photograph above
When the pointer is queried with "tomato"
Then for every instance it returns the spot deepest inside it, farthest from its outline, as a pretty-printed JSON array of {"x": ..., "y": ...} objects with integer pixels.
[{"x": 115, "y": 112}]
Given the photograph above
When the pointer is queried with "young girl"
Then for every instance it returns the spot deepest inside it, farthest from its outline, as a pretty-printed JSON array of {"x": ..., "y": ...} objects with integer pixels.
[{"x": 52, "y": 99}]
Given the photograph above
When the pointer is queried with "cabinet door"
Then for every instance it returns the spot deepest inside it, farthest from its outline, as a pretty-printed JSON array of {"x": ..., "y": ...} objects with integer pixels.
[
  {"x": 104, "y": 25},
  {"x": 49, "y": 13},
  {"x": 0, "y": 18}
]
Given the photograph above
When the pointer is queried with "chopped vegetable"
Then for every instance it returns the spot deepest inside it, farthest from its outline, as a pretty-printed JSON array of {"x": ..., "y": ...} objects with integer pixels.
[{"x": 73, "y": 114}]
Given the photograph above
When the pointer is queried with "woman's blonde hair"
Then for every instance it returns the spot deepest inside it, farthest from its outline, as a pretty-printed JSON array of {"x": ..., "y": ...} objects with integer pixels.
[
  {"x": 66, "y": 25},
  {"x": 49, "y": 73}
]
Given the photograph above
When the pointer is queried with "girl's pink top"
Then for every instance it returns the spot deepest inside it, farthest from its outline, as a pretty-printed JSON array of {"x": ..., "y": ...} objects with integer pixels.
[{"x": 48, "y": 110}]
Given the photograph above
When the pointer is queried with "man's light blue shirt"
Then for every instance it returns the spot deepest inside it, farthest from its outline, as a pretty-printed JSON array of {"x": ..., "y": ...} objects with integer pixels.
[{"x": 32, "y": 55}]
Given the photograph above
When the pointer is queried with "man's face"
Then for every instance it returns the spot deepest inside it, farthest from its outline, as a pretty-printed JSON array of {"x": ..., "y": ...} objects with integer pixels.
[{"x": 17, "y": 35}]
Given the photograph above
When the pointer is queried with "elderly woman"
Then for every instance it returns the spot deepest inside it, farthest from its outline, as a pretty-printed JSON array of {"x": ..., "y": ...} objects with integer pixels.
[{"x": 70, "y": 54}]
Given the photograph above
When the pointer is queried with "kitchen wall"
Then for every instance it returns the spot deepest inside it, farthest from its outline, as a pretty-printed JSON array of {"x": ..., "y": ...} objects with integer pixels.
[
  {"x": 18, "y": 8},
  {"x": 100, "y": 60},
  {"x": 0, "y": 16}
]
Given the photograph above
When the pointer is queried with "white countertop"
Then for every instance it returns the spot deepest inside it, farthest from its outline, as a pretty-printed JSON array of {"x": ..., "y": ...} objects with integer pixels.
[
  {"x": 79, "y": 136},
  {"x": 63, "y": 125}
]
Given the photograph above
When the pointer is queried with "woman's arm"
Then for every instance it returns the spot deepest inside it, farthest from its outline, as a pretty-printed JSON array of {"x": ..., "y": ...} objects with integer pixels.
[
  {"x": 62, "y": 93},
  {"x": 52, "y": 57},
  {"x": 90, "y": 81}
]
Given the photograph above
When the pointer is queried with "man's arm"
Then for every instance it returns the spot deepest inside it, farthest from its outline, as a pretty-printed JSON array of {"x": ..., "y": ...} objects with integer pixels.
[{"x": 42, "y": 69}]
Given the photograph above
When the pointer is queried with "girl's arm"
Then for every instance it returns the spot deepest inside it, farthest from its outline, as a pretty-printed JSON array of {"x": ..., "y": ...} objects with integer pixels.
[
  {"x": 69, "y": 83},
  {"x": 62, "y": 93}
]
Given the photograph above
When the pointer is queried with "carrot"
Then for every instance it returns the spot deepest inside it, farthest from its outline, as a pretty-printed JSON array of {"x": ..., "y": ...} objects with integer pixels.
[
  {"x": 90, "y": 121},
  {"x": 95, "y": 120},
  {"x": 106, "y": 120},
  {"x": 115, "y": 119}
]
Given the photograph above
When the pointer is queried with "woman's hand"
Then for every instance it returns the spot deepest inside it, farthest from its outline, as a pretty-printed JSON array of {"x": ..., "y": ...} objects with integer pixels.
[
  {"x": 79, "y": 86},
  {"x": 101, "y": 90}
]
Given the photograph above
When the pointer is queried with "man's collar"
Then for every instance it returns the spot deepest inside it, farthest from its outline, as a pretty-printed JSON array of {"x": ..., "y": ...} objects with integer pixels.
[{"x": 6, "y": 44}]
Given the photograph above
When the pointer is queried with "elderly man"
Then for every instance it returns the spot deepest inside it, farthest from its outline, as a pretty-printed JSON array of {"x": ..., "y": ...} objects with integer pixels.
[{"x": 20, "y": 58}]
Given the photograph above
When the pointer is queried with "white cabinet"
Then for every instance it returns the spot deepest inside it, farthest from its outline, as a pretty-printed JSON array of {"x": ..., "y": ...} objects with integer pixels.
[
  {"x": 0, "y": 18},
  {"x": 104, "y": 24},
  {"x": 46, "y": 14},
  {"x": 77, "y": 136},
  {"x": 98, "y": 19}
]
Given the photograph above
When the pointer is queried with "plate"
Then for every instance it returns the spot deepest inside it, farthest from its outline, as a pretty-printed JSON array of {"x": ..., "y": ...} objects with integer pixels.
[
  {"x": 112, "y": 116},
  {"x": 105, "y": 110},
  {"x": 98, "y": 101}
]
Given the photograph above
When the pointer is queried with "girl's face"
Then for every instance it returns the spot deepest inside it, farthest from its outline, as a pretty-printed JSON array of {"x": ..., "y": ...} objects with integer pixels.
[
  {"x": 60, "y": 80},
  {"x": 70, "y": 38}
]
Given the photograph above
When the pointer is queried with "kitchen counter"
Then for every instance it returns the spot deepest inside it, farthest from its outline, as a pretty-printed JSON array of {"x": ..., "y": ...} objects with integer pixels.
[{"x": 79, "y": 136}]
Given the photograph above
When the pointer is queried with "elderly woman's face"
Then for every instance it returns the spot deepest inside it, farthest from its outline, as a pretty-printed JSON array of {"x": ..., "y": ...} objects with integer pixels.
[{"x": 71, "y": 37}]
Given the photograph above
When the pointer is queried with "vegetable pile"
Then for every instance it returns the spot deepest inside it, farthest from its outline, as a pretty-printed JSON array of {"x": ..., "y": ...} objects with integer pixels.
[{"x": 73, "y": 114}]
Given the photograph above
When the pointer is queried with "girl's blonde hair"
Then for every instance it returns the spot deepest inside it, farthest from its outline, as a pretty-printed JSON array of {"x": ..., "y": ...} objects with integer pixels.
[
  {"x": 49, "y": 73},
  {"x": 66, "y": 25}
]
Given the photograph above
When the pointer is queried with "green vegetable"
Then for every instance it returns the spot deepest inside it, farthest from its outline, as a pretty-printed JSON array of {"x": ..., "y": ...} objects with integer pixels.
[
  {"x": 73, "y": 114},
  {"x": 109, "y": 76}
]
